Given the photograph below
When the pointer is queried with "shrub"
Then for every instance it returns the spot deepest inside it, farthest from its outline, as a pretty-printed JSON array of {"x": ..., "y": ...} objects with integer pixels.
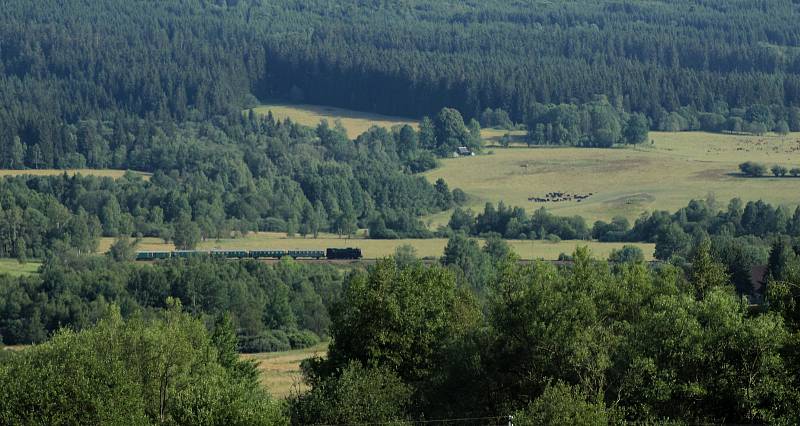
[
  {"x": 779, "y": 171},
  {"x": 268, "y": 341},
  {"x": 627, "y": 254},
  {"x": 795, "y": 172},
  {"x": 299, "y": 339},
  {"x": 562, "y": 404},
  {"x": 753, "y": 169}
]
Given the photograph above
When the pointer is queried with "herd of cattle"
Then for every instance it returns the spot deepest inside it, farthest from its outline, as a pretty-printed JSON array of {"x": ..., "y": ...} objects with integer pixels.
[{"x": 557, "y": 197}]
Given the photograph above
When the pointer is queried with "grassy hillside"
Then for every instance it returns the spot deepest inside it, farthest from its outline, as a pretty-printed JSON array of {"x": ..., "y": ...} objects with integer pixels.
[
  {"x": 626, "y": 181},
  {"x": 382, "y": 248},
  {"x": 666, "y": 174}
]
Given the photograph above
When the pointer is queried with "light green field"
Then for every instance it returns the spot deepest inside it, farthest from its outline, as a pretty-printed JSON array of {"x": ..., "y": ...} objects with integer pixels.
[
  {"x": 280, "y": 371},
  {"x": 491, "y": 137},
  {"x": 14, "y": 268},
  {"x": 373, "y": 249},
  {"x": 355, "y": 122},
  {"x": 627, "y": 181},
  {"x": 116, "y": 174}
]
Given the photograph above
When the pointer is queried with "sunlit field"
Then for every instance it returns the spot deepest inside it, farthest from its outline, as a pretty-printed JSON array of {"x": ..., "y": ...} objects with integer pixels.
[
  {"x": 14, "y": 268},
  {"x": 280, "y": 371},
  {"x": 664, "y": 174},
  {"x": 372, "y": 249}
]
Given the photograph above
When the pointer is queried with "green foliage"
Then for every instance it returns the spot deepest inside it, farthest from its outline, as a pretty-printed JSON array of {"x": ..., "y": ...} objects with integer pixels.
[
  {"x": 186, "y": 234},
  {"x": 355, "y": 395},
  {"x": 123, "y": 249},
  {"x": 753, "y": 169},
  {"x": 136, "y": 372},
  {"x": 450, "y": 132},
  {"x": 397, "y": 318},
  {"x": 627, "y": 254},
  {"x": 779, "y": 171},
  {"x": 406, "y": 256},
  {"x": 514, "y": 222},
  {"x": 636, "y": 129},
  {"x": 561, "y": 404},
  {"x": 272, "y": 307},
  {"x": 706, "y": 272}
]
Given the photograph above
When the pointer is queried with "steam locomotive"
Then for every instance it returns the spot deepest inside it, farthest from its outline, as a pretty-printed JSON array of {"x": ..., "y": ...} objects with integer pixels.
[{"x": 330, "y": 253}]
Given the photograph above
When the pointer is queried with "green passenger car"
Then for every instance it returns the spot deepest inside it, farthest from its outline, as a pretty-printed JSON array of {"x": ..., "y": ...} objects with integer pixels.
[
  {"x": 270, "y": 254},
  {"x": 307, "y": 254}
]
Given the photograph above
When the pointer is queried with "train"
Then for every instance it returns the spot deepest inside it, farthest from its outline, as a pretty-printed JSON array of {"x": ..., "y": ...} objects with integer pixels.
[{"x": 349, "y": 253}]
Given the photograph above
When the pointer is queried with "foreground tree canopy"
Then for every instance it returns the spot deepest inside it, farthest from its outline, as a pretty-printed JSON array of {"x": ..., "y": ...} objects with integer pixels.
[
  {"x": 480, "y": 335},
  {"x": 587, "y": 344},
  {"x": 167, "y": 370}
]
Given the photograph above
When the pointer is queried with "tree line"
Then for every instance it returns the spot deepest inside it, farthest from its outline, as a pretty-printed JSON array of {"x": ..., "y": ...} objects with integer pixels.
[
  {"x": 272, "y": 307},
  {"x": 246, "y": 174},
  {"x": 477, "y": 336}
]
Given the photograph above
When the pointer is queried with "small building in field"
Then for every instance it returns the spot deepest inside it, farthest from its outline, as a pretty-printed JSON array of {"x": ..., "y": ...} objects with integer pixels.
[{"x": 464, "y": 152}]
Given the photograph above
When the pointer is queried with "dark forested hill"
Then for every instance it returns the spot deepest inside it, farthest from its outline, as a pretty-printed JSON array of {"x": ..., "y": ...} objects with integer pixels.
[
  {"x": 182, "y": 58},
  {"x": 160, "y": 85},
  {"x": 411, "y": 56}
]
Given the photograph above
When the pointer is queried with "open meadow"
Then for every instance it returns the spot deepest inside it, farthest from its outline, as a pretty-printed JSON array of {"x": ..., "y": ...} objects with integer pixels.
[
  {"x": 116, "y": 174},
  {"x": 666, "y": 174},
  {"x": 372, "y": 249},
  {"x": 280, "y": 372},
  {"x": 14, "y": 268},
  {"x": 357, "y": 122}
]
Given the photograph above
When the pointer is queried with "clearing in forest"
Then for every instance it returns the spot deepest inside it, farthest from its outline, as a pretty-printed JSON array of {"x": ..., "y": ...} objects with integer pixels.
[
  {"x": 280, "y": 371},
  {"x": 355, "y": 122},
  {"x": 602, "y": 183},
  {"x": 14, "y": 268}
]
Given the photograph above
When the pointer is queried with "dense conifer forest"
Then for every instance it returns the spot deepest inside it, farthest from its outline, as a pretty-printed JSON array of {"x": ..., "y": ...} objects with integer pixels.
[{"x": 167, "y": 88}]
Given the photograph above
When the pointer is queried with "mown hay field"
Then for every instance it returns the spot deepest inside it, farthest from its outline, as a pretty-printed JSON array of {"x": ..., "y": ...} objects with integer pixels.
[
  {"x": 665, "y": 174},
  {"x": 372, "y": 249}
]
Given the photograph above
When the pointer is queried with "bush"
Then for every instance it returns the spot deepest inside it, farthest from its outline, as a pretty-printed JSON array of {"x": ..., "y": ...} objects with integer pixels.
[
  {"x": 795, "y": 172},
  {"x": 562, "y": 404},
  {"x": 753, "y": 169},
  {"x": 268, "y": 341},
  {"x": 459, "y": 196},
  {"x": 273, "y": 224},
  {"x": 359, "y": 395},
  {"x": 627, "y": 254},
  {"x": 300, "y": 339},
  {"x": 278, "y": 340},
  {"x": 779, "y": 171}
]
